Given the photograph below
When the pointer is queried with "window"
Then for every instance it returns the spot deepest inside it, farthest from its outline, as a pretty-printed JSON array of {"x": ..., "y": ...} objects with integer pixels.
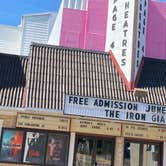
[
  {"x": 94, "y": 151},
  {"x": 141, "y": 154}
]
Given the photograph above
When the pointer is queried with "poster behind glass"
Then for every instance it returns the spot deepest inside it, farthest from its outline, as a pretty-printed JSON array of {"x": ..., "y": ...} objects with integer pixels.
[
  {"x": 57, "y": 149},
  {"x": 11, "y": 145},
  {"x": 34, "y": 151}
]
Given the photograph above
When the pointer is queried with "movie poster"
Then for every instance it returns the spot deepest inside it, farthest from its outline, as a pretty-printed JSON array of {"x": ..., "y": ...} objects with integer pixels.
[
  {"x": 35, "y": 145},
  {"x": 11, "y": 146},
  {"x": 57, "y": 149}
]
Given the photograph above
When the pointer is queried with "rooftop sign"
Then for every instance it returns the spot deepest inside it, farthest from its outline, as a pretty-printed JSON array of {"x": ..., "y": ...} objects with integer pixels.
[{"x": 115, "y": 109}]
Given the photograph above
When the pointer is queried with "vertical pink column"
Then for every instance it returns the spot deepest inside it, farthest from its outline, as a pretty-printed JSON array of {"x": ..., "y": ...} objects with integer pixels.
[
  {"x": 156, "y": 30},
  {"x": 96, "y": 25},
  {"x": 73, "y": 28}
]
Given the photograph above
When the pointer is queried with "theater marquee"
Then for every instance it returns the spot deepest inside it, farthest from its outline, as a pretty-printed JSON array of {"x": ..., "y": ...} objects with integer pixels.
[
  {"x": 95, "y": 126},
  {"x": 44, "y": 122},
  {"x": 143, "y": 132},
  {"x": 115, "y": 109}
]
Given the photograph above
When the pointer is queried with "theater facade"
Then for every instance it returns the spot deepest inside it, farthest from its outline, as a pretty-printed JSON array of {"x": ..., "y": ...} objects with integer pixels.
[{"x": 69, "y": 107}]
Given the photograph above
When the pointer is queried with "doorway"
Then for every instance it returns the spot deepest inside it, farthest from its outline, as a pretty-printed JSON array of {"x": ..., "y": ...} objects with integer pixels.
[
  {"x": 93, "y": 151},
  {"x": 142, "y": 154}
]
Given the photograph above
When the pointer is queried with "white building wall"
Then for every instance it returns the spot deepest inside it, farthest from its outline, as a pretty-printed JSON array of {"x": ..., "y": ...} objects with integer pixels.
[
  {"x": 55, "y": 29},
  {"x": 10, "y": 39},
  {"x": 42, "y": 28},
  {"x": 35, "y": 29}
]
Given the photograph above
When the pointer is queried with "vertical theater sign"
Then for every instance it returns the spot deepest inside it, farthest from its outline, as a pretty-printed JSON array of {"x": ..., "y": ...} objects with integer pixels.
[{"x": 126, "y": 34}]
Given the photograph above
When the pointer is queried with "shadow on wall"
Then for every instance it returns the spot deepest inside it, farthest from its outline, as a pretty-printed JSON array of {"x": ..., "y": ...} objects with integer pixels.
[
  {"x": 156, "y": 30},
  {"x": 11, "y": 72}
]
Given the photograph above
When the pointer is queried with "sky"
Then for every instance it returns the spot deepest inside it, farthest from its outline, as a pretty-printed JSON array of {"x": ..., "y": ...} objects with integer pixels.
[{"x": 12, "y": 10}]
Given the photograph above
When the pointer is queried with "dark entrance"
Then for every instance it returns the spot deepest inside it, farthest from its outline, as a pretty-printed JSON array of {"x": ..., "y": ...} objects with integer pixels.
[
  {"x": 93, "y": 151},
  {"x": 142, "y": 154}
]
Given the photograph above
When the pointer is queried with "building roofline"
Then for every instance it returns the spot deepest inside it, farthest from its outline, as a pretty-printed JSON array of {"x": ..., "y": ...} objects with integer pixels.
[
  {"x": 28, "y": 109},
  {"x": 13, "y": 55},
  {"x": 34, "y": 14},
  {"x": 38, "y": 14},
  {"x": 154, "y": 60},
  {"x": 10, "y": 26},
  {"x": 69, "y": 48}
]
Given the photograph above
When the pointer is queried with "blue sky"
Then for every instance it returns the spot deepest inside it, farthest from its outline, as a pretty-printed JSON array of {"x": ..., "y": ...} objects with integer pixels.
[{"x": 12, "y": 10}]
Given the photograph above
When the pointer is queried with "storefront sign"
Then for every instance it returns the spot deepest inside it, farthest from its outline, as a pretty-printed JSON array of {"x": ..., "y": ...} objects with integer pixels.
[
  {"x": 115, "y": 109},
  {"x": 93, "y": 127},
  {"x": 144, "y": 132},
  {"x": 42, "y": 122}
]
